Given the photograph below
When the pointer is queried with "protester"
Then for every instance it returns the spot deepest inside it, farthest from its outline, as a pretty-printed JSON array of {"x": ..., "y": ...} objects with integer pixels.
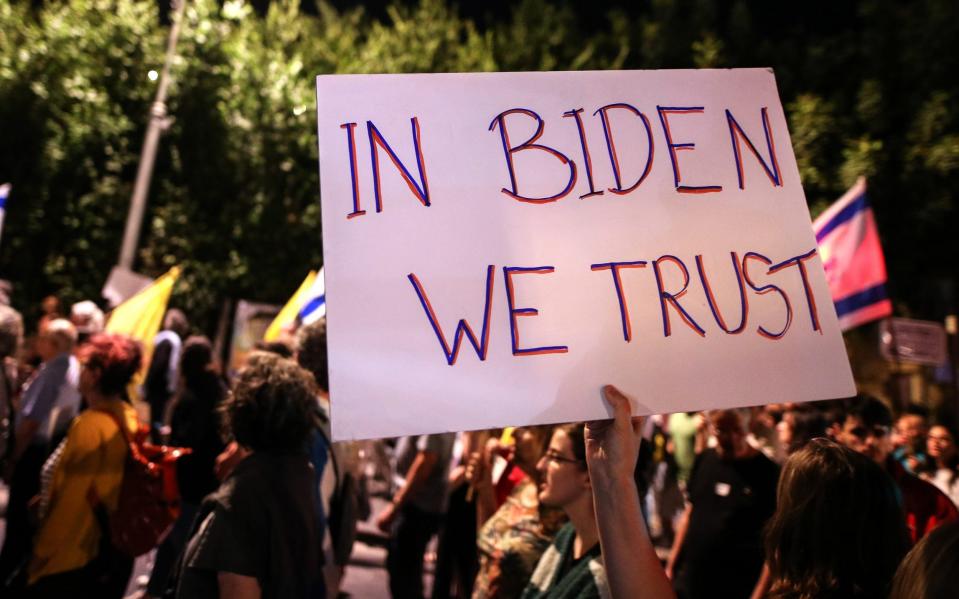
[
  {"x": 162, "y": 377},
  {"x": 72, "y": 555},
  {"x": 866, "y": 429},
  {"x": 256, "y": 535},
  {"x": 87, "y": 317},
  {"x": 838, "y": 531},
  {"x": 763, "y": 432},
  {"x": 572, "y": 566},
  {"x": 612, "y": 447},
  {"x": 929, "y": 570},
  {"x": 50, "y": 311},
  {"x": 682, "y": 428},
  {"x": 909, "y": 439},
  {"x": 732, "y": 492},
  {"x": 943, "y": 466},
  {"x": 417, "y": 509},
  {"x": 799, "y": 425},
  {"x": 11, "y": 336},
  {"x": 456, "y": 554},
  {"x": 659, "y": 471},
  {"x": 335, "y": 467},
  {"x": 512, "y": 540},
  {"x": 194, "y": 424},
  {"x": 50, "y": 401}
]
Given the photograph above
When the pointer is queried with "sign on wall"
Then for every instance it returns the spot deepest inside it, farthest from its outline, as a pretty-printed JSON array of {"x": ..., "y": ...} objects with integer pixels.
[{"x": 499, "y": 246}]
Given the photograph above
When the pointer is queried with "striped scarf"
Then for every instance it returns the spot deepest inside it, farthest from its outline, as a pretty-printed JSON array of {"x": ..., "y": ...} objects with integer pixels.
[{"x": 584, "y": 579}]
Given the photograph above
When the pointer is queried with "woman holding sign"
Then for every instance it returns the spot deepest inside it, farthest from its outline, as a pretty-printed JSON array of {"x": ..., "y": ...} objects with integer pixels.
[
  {"x": 588, "y": 471},
  {"x": 573, "y": 565}
]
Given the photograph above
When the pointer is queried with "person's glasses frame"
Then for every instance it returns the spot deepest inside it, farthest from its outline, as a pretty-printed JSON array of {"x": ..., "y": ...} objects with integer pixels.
[{"x": 554, "y": 456}]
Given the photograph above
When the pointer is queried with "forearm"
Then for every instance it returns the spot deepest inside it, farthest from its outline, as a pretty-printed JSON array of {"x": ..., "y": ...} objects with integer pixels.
[
  {"x": 680, "y": 537},
  {"x": 632, "y": 567},
  {"x": 485, "y": 504},
  {"x": 235, "y": 586},
  {"x": 418, "y": 472}
]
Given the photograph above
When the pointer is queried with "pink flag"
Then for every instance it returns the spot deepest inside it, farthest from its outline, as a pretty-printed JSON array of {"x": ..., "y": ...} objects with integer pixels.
[{"x": 852, "y": 256}]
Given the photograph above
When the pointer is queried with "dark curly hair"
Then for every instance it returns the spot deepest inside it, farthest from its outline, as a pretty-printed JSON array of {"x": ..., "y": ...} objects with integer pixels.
[
  {"x": 116, "y": 357},
  {"x": 273, "y": 405},
  {"x": 311, "y": 351}
]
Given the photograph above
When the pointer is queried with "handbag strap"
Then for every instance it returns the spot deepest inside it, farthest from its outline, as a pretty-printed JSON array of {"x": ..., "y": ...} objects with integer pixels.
[
  {"x": 92, "y": 496},
  {"x": 329, "y": 448}
]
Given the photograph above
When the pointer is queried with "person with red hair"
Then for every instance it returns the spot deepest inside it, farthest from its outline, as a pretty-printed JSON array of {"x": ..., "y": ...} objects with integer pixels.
[{"x": 71, "y": 554}]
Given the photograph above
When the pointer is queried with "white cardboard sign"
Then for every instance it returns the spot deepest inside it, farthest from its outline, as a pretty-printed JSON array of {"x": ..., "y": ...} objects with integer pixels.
[{"x": 498, "y": 246}]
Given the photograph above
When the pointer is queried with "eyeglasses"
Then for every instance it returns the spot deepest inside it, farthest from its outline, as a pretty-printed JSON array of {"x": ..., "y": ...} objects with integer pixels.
[
  {"x": 862, "y": 432},
  {"x": 554, "y": 456}
]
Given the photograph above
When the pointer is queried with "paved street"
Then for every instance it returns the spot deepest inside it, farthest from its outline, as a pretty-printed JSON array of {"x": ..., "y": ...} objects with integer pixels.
[{"x": 365, "y": 577}]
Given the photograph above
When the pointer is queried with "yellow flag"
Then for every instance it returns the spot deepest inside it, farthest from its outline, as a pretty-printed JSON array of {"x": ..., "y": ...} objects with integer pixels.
[
  {"x": 288, "y": 314},
  {"x": 141, "y": 316}
]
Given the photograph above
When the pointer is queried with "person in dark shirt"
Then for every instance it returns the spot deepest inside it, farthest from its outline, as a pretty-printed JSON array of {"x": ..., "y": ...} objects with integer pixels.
[
  {"x": 256, "y": 535},
  {"x": 732, "y": 493},
  {"x": 161, "y": 379},
  {"x": 194, "y": 424},
  {"x": 11, "y": 337}
]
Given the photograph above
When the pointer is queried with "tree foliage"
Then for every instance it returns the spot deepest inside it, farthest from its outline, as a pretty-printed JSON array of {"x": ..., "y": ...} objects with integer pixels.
[{"x": 869, "y": 89}]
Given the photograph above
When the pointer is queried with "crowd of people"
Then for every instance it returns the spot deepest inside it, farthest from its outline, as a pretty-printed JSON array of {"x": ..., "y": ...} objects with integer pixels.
[{"x": 833, "y": 499}]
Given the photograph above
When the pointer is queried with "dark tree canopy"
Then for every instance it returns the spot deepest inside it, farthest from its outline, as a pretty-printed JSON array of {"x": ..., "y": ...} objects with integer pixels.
[{"x": 870, "y": 88}]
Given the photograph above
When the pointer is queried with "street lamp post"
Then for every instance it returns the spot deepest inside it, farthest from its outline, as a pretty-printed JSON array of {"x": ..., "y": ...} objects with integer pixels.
[{"x": 158, "y": 122}]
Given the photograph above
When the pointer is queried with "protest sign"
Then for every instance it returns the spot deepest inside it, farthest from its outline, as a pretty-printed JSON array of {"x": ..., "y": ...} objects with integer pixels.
[{"x": 498, "y": 246}]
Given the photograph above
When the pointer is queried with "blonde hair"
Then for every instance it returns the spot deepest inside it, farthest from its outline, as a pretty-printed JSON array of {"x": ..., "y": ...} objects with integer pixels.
[{"x": 62, "y": 332}]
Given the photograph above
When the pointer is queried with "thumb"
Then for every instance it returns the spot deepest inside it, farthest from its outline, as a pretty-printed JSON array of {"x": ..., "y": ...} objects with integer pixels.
[
  {"x": 619, "y": 402},
  {"x": 622, "y": 409}
]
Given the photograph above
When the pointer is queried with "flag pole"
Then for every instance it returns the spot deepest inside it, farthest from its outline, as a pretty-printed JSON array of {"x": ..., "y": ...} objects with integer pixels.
[{"x": 158, "y": 122}]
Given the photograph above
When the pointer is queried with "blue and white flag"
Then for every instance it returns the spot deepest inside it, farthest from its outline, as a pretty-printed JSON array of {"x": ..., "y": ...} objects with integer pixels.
[
  {"x": 314, "y": 308},
  {"x": 4, "y": 194}
]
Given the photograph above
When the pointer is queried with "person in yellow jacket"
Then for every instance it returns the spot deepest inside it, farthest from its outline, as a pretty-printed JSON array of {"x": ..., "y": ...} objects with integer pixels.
[{"x": 69, "y": 555}]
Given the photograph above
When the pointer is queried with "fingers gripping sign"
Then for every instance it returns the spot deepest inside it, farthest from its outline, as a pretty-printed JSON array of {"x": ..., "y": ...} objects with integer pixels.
[{"x": 612, "y": 446}]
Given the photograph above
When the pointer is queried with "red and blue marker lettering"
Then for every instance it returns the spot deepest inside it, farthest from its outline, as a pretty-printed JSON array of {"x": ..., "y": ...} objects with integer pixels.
[
  {"x": 508, "y": 272},
  {"x": 421, "y": 190},
  {"x": 530, "y": 144},
  {"x": 351, "y": 146},
  {"x": 672, "y": 299},
  {"x": 587, "y": 159},
  {"x": 736, "y": 133},
  {"x": 711, "y": 299},
  {"x": 674, "y": 147},
  {"x": 611, "y": 146},
  {"x": 615, "y": 267},
  {"x": 463, "y": 328},
  {"x": 800, "y": 262},
  {"x": 763, "y": 291}
]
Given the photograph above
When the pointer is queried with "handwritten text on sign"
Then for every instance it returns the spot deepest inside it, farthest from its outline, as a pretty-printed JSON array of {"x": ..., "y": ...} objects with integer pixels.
[{"x": 497, "y": 246}]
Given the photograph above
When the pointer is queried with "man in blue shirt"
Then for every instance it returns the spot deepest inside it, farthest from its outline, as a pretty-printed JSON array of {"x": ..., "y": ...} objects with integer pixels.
[{"x": 50, "y": 401}]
